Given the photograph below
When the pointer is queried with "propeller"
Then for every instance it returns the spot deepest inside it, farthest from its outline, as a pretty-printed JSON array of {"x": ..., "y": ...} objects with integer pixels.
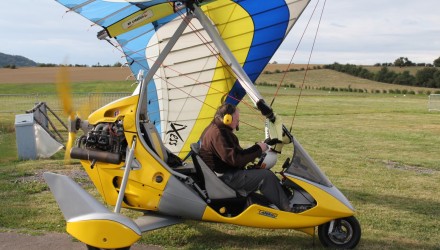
[{"x": 65, "y": 95}]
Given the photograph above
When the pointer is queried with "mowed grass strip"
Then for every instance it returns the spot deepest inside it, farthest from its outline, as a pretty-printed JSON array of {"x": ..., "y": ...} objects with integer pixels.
[{"x": 381, "y": 151}]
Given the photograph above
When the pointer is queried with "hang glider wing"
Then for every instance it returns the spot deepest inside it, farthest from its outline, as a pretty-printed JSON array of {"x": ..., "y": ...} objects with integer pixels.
[{"x": 193, "y": 79}]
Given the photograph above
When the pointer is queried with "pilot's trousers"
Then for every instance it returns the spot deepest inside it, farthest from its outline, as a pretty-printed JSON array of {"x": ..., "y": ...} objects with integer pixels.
[{"x": 248, "y": 181}]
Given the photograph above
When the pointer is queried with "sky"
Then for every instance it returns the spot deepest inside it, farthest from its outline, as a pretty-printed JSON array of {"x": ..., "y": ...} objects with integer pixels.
[{"x": 362, "y": 32}]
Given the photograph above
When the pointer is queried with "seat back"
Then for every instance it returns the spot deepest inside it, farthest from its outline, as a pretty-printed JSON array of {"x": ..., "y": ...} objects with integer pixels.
[
  {"x": 215, "y": 187},
  {"x": 152, "y": 137}
]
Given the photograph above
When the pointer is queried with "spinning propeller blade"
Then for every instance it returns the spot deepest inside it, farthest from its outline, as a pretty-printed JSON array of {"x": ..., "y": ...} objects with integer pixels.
[
  {"x": 65, "y": 95},
  {"x": 64, "y": 91}
]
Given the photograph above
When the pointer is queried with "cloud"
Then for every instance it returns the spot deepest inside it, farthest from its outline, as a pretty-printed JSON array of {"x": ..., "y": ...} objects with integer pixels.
[
  {"x": 44, "y": 33},
  {"x": 362, "y": 31},
  {"x": 368, "y": 32}
]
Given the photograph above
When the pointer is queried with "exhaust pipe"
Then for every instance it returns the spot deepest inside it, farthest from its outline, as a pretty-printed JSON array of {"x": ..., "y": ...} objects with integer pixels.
[{"x": 101, "y": 156}]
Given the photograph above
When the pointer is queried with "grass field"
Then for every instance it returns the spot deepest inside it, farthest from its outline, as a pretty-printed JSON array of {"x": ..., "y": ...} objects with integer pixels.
[{"x": 380, "y": 150}]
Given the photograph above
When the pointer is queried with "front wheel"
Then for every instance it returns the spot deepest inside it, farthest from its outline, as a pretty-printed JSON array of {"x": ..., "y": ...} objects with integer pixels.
[
  {"x": 341, "y": 233},
  {"x": 97, "y": 248}
]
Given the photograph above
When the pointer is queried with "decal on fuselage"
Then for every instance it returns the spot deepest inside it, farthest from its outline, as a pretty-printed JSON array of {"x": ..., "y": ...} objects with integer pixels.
[{"x": 268, "y": 214}]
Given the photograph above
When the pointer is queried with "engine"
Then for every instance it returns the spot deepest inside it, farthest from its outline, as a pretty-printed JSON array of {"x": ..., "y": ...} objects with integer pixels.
[{"x": 105, "y": 142}]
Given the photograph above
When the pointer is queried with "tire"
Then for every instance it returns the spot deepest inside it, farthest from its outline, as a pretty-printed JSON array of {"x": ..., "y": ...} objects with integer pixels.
[
  {"x": 346, "y": 233},
  {"x": 97, "y": 248}
]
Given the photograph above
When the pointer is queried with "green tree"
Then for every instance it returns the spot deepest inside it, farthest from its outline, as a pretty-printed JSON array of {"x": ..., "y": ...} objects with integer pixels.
[
  {"x": 425, "y": 77},
  {"x": 403, "y": 62},
  {"x": 405, "y": 78},
  {"x": 385, "y": 75},
  {"x": 436, "y": 79},
  {"x": 437, "y": 62}
]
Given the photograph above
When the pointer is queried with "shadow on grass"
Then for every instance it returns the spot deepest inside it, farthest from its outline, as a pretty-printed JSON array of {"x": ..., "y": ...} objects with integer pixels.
[
  {"x": 209, "y": 237},
  {"x": 417, "y": 206},
  {"x": 394, "y": 244},
  {"x": 205, "y": 236},
  {"x": 409, "y": 223}
]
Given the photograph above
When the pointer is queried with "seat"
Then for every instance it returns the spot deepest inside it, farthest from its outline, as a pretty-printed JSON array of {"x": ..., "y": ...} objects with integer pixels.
[{"x": 214, "y": 186}]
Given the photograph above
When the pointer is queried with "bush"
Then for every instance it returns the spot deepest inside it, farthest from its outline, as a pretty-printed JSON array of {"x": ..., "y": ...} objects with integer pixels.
[
  {"x": 47, "y": 65},
  {"x": 10, "y": 66},
  {"x": 426, "y": 77}
]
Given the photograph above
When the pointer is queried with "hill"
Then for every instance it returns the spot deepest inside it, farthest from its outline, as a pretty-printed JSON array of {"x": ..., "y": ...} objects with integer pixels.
[
  {"x": 325, "y": 79},
  {"x": 316, "y": 78},
  {"x": 77, "y": 74},
  {"x": 18, "y": 61}
]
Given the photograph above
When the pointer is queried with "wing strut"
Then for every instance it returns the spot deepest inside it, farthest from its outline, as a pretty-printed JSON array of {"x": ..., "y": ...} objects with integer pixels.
[
  {"x": 162, "y": 55},
  {"x": 227, "y": 55},
  {"x": 142, "y": 103},
  {"x": 276, "y": 128}
]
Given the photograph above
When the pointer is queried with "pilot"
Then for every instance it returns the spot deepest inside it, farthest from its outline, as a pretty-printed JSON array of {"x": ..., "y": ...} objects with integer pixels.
[{"x": 221, "y": 151}]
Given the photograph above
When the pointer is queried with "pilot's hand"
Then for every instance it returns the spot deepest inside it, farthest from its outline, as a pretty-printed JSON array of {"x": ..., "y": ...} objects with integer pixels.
[
  {"x": 264, "y": 147},
  {"x": 272, "y": 142}
]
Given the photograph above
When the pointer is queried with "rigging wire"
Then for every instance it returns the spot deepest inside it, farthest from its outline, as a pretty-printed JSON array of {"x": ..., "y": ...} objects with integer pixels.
[
  {"x": 214, "y": 53},
  {"x": 208, "y": 44},
  {"x": 294, "y": 53},
  {"x": 172, "y": 69},
  {"x": 220, "y": 59},
  {"x": 308, "y": 63},
  {"x": 205, "y": 42}
]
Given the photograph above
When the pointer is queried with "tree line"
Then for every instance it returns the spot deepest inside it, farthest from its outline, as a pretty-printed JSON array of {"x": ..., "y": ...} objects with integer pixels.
[
  {"x": 426, "y": 77},
  {"x": 405, "y": 62},
  {"x": 117, "y": 64},
  {"x": 48, "y": 65}
]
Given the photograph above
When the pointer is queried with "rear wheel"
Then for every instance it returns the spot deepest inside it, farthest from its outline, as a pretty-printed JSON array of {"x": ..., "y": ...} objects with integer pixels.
[{"x": 341, "y": 233}]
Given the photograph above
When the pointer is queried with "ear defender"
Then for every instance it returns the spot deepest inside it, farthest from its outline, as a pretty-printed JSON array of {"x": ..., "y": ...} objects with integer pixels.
[{"x": 227, "y": 119}]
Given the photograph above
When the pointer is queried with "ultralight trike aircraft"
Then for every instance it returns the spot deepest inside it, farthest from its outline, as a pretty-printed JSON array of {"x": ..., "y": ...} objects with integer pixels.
[{"x": 188, "y": 57}]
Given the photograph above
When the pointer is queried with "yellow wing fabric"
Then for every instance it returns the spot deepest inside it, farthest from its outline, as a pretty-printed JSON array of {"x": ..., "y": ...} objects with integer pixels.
[{"x": 193, "y": 79}]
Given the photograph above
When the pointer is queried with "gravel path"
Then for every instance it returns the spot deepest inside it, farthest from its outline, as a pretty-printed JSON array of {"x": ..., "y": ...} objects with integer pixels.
[{"x": 49, "y": 241}]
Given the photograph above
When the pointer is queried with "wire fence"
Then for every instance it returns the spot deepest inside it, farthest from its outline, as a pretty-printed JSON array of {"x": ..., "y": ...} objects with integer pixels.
[
  {"x": 17, "y": 104},
  {"x": 83, "y": 103}
]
